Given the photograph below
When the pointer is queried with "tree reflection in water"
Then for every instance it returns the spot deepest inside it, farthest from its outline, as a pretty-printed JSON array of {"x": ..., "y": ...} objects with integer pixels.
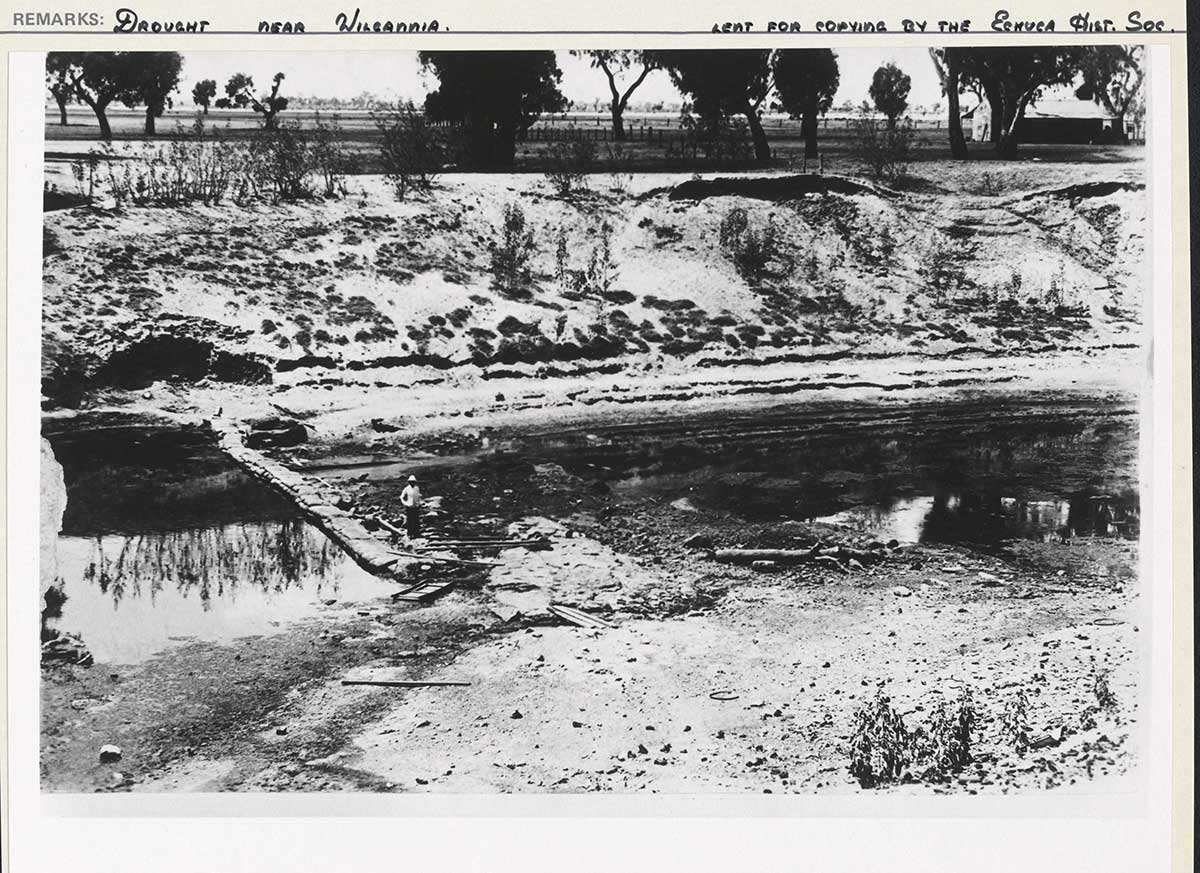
[{"x": 213, "y": 561}]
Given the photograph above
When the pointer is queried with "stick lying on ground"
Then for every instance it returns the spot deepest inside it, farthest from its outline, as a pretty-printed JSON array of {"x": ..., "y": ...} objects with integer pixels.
[{"x": 403, "y": 683}]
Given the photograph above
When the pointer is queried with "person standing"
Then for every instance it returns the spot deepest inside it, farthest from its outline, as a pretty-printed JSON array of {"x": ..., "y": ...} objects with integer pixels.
[{"x": 410, "y": 499}]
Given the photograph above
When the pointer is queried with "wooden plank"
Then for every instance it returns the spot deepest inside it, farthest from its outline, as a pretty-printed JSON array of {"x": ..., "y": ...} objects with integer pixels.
[
  {"x": 578, "y": 616},
  {"x": 423, "y": 592},
  {"x": 436, "y": 559}
]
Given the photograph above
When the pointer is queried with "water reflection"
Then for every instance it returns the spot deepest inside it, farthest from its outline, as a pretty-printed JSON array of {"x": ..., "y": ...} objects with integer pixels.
[
  {"x": 983, "y": 518},
  {"x": 129, "y": 596}
]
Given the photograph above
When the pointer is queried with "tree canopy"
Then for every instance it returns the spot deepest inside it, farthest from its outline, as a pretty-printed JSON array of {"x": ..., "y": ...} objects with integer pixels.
[
  {"x": 239, "y": 94},
  {"x": 97, "y": 79},
  {"x": 612, "y": 62},
  {"x": 724, "y": 82},
  {"x": 154, "y": 77},
  {"x": 1014, "y": 77},
  {"x": 495, "y": 95},
  {"x": 805, "y": 82},
  {"x": 203, "y": 93},
  {"x": 1112, "y": 77},
  {"x": 889, "y": 91}
]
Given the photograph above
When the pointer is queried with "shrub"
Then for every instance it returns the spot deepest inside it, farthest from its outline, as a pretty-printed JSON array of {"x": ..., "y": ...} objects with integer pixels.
[
  {"x": 722, "y": 140},
  {"x": 602, "y": 267},
  {"x": 570, "y": 163},
  {"x": 511, "y": 256},
  {"x": 201, "y": 167},
  {"x": 411, "y": 153},
  {"x": 84, "y": 173},
  {"x": 281, "y": 164},
  {"x": 946, "y": 747},
  {"x": 880, "y": 745},
  {"x": 942, "y": 262},
  {"x": 598, "y": 276},
  {"x": 887, "y": 151},
  {"x": 882, "y": 749},
  {"x": 331, "y": 162},
  {"x": 1014, "y": 722},
  {"x": 751, "y": 250},
  {"x": 1105, "y": 699},
  {"x": 620, "y": 164}
]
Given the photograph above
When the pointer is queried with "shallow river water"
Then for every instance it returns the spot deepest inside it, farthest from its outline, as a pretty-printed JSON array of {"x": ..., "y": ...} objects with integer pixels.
[{"x": 163, "y": 543}]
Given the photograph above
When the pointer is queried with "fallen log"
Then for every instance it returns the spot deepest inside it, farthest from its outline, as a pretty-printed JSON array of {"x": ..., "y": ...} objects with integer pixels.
[
  {"x": 404, "y": 683},
  {"x": 488, "y": 544},
  {"x": 749, "y": 556}
]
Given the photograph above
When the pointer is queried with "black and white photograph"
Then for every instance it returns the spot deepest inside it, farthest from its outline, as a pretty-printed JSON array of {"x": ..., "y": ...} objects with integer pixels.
[{"x": 690, "y": 421}]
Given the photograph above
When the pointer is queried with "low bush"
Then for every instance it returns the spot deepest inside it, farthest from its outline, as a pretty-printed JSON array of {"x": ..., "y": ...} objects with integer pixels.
[
  {"x": 887, "y": 151},
  {"x": 882, "y": 749},
  {"x": 880, "y": 745},
  {"x": 751, "y": 250},
  {"x": 511, "y": 256},
  {"x": 411, "y": 154},
  {"x": 571, "y": 162}
]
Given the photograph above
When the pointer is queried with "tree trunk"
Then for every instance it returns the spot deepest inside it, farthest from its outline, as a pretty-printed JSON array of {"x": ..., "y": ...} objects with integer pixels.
[
  {"x": 149, "y": 121},
  {"x": 62, "y": 109},
  {"x": 808, "y": 131},
  {"x": 618, "y": 121},
  {"x": 762, "y": 148},
  {"x": 205, "y": 108},
  {"x": 1006, "y": 144},
  {"x": 958, "y": 142},
  {"x": 1119, "y": 128},
  {"x": 105, "y": 128},
  {"x": 504, "y": 147}
]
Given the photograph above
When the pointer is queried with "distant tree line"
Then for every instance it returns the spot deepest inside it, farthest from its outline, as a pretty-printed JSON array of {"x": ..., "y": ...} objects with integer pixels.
[{"x": 494, "y": 97}]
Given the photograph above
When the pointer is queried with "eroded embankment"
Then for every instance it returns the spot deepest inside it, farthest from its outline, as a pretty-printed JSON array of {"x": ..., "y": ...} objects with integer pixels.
[{"x": 337, "y": 291}]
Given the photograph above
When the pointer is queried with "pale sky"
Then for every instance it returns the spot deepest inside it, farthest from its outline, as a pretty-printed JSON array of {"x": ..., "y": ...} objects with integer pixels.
[{"x": 393, "y": 74}]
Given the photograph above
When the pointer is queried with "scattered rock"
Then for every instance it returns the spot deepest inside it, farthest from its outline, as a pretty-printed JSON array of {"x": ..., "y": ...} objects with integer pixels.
[
  {"x": 516, "y": 713},
  {"x": 110, "y": 753},
  {"x": 902, "y": 591}
]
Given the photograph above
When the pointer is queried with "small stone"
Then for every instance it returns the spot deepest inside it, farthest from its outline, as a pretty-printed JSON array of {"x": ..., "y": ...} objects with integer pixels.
[
  {"x": 516, "y": 713},
  {"x": 902, "y": 591},
  {"x": 110, "y": 753}
]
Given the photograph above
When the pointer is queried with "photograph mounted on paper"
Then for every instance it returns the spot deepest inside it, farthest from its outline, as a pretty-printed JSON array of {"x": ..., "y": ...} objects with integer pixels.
[{"x": 680, "y": 422}]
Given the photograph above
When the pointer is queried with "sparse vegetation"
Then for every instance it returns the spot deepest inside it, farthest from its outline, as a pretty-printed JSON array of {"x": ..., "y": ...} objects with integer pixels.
[
  {"x": 411, "y": 153},
  {"x": 1014, "y": 722},
  {"x": 752, "y": 250},
  {"x": 887, "y": 150},
  {"x": 880, "y": 745},
  {"x": 882, "y": 749},
  {"x": 511, "y": 256},
  {"x": 570, "y": 164}
]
